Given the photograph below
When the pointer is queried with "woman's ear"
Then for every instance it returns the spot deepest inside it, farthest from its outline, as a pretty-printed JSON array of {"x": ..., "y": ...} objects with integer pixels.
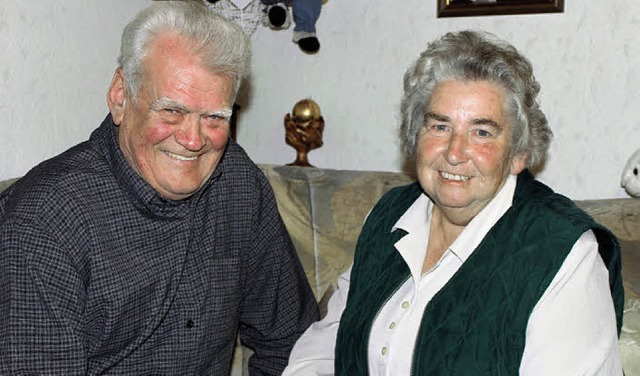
[
  {"x": 519, "y": 163},
  {"x": 117, "y": 96}
]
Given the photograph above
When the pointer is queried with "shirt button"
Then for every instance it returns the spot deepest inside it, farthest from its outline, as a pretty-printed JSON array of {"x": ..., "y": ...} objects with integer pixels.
[
  {"x": 405, "y": 304},
  {"x": 190, "y": 323},
  {"x": 384, "y": 351},
  {"x": 393, "y": 325}
]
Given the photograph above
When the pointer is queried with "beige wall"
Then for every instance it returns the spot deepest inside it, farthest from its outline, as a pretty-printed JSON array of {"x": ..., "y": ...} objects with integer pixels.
[{"x": 57, "y": 60}]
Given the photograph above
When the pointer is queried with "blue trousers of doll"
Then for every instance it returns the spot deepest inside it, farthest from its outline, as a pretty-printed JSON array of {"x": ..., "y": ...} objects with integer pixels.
[{"x": 305, "y": 13}]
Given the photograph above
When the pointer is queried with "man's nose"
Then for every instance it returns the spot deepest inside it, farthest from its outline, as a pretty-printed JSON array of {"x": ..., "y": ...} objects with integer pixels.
[{"x": 190, "y": 133}]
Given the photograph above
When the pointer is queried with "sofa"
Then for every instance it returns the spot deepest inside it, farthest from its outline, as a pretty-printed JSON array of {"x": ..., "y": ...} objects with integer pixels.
[{"x": 324, "y": 209}]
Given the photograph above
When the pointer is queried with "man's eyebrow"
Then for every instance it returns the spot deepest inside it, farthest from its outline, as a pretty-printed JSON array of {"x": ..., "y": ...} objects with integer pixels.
[
  {"x": 224, "y": 113},
  {"x": 165, "y": 102}
]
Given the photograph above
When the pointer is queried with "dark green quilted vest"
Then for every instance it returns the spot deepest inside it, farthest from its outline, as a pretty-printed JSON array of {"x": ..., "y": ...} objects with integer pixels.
[{"x": 476, "y": 324}]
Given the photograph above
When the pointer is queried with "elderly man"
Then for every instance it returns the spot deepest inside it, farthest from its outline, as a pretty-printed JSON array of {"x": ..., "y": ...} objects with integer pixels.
[{"x": 148, "y": 248}]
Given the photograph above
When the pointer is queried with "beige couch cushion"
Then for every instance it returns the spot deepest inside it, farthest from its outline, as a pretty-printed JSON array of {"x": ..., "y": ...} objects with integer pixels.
[{"x": 324, "y": 211}]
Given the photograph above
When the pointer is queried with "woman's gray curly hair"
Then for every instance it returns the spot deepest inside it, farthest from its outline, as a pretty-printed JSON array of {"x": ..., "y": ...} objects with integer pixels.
[
  {"x": 223, "y": 46},
  {"x": 471, "y": 56}
]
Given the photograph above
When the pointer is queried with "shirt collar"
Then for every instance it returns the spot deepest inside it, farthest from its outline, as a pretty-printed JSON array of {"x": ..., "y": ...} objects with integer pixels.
[
  {"x": 415, "y": 222},
  {"x": 417, "y": 219}
]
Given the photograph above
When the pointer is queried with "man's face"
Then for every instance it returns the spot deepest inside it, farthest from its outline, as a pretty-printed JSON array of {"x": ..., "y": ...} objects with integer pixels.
[
  {"x": 463, "y": 151},
  {"x": 176, "y": 131}
]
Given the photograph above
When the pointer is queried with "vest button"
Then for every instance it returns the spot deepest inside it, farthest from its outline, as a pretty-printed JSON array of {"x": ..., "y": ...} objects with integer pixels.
[{"x": 190, "y": 323}]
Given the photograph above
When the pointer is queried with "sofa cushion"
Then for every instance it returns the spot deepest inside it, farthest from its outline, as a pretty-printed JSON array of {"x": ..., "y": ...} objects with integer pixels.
[{"x": 324, "y": 210}]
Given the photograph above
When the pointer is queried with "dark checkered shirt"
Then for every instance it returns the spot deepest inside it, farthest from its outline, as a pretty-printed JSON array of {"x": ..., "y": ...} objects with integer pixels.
[{"x": 100, "y": 275}]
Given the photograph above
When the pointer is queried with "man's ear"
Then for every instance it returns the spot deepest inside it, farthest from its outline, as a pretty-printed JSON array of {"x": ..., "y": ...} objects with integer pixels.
[
  {"x": 117, "y": 96},
  {"x": 519, "y": 163}
]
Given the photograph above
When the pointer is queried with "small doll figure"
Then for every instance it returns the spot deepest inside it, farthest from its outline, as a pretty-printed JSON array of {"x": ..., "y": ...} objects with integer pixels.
[{"x": 305, "y": 16}]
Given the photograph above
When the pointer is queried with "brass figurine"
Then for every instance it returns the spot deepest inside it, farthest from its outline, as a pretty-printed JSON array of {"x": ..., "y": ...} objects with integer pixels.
[{"x": 304, "y": 130}]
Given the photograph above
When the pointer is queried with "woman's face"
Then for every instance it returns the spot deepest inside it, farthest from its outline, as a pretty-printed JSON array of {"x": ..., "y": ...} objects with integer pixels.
[{"x": 463, "y": 154}]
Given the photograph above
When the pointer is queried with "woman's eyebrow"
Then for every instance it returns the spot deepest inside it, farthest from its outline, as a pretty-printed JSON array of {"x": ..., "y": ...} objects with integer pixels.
[
  {"x": 437, "y": 117},
  {"x": 485, "y": 121}
]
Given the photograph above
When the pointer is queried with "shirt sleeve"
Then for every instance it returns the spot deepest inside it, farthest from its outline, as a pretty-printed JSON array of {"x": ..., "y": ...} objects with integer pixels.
[
  {"x": 314, "y": 353},
  {"x": 41, "y": 302},
  {"x": 278, "y": 304},
  {"x": 572, "y": 329}
]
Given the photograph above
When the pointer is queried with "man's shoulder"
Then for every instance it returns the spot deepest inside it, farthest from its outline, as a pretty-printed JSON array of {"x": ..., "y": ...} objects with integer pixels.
[
  {"x": 63, "y": 178},
  {"x": 236, "y": 165}
]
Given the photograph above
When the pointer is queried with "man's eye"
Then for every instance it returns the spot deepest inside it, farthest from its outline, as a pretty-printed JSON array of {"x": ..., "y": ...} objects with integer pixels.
[
  {"x": 439, "y": 127},
  {"x": 170, "y": 115},
  {"x": 214, "y": 120},
  {"x": 483, "y": 133}
]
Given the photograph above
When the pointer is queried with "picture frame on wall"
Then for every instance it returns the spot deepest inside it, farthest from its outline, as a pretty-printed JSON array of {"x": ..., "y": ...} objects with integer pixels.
[{"x": 465, "y": 8}]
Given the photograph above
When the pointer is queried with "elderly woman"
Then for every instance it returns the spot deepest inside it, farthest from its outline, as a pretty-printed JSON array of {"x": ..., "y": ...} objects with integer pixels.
[{"x": 476, "y": 269}]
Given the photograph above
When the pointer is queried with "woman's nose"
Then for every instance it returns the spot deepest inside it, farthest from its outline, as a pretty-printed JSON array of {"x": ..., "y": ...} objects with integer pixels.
[{"x": 456, "y": 152}]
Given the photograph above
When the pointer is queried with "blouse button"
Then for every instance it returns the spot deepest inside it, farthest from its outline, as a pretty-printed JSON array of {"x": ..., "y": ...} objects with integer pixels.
[
  {"x": 405, "y": 304},
  {"x": 393, "y": 325},
  {"x": 384, "y": 351}
]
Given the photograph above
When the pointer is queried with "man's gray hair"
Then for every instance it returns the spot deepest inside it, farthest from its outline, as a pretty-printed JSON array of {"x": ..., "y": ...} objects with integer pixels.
[
  {"x": 473, "y": 56},
  {"x": 223, "y": 46}
]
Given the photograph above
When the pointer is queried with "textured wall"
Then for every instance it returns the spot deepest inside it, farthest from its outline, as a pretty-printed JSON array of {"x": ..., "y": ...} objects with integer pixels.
[
  {"x": 586, "y": 59},
  {"x": 56, "y": 63},
  {"x": 58, "y": 57}
]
